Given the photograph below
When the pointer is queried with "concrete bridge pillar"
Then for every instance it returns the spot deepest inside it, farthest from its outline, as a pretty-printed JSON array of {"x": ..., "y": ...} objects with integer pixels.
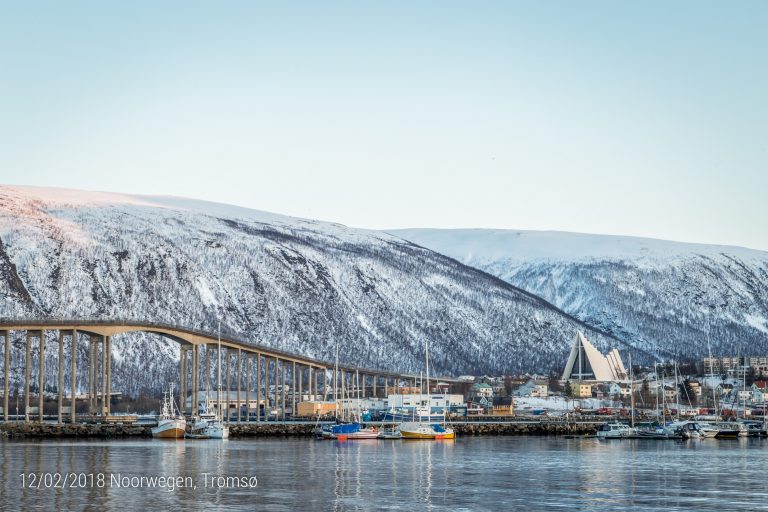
[
  {"x": 229, "y": 382},
  {"x": 195, "y": 378},
  {"x": 282, "y": 389},
  {"x": 207, "y": 375},
  {"x": 7, "y": 364},
  {"x": 41, "y": 376},
  {"x": 277, "y": 381},
  {"x": 239, "y": 380},
  {"x": 312, "y": 384},
  {"x": 60, "y": 386},
  {"x": 73, "y": 391},
  {"x": 293, "y": 390},
  {"x": 247, "y": 387},
  {"x": 109, "y": 375},
  {"x": 183, "y": 379},
  {"x": 26, "y": 377},
  {"x": 301, "y": 383},
  {"x": 358, "y": 386},
  {"x": 104, "y": 398},
  {"x": 91, "y": 373},
  {"x": 258, "y": 387}
]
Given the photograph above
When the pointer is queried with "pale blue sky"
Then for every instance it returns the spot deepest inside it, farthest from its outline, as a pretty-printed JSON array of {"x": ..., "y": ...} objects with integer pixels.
[{"x": 604, "y": 117}]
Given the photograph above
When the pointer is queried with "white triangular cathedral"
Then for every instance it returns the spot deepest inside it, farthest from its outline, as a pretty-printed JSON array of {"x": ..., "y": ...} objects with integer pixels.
[{"x": 587, "y": 363}]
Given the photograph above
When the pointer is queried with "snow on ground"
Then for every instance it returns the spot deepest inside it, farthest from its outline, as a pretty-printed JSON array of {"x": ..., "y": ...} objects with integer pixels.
[
  {"x": 475, "y": 246},
  {"x": 53, "y": 197},
  {"x": 757, "y": 321}
]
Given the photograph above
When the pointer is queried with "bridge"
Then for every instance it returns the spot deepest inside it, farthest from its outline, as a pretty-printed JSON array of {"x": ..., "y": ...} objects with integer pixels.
[{"x": 304, "y": 375}]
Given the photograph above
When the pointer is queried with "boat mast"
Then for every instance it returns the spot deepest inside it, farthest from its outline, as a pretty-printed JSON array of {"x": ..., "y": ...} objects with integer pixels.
[
  {"x": 336, "y": 375},
  {"x": 677, "y": 393},
  {"x": 426, "y": 355},
  {"x": 744, "y": 385},
  {"x": 656, "y": 375},
  {"x": 359, "y": 405},
  {"x": 712, "y": 374},
  {"x": 218, "y": 375},
  {"x": 631, "y": 392}
]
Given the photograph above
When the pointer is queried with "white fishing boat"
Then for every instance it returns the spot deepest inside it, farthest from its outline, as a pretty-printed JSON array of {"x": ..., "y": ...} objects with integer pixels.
[
  {"x": 614, "y": 431},
  {"x": 210, "y": 426},
  {"x": 170, "y": 423},
  {"x": 214, "y": 427},
  {"x": 390, "y": 433}
]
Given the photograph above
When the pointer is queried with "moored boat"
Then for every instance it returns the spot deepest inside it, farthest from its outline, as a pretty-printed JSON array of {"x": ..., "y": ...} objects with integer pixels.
[
  {"x": 349, "y": 431},
  {"x": 654, "y": 431},
  {"x": 687, "y": 429},
  {"x": 390, "y": 433},
  {"x": 170, "y": 424},
  {"x": 419, "y": 430},
  {"x": 614, "y": 431},
  {"x": 211, "y": 426}
]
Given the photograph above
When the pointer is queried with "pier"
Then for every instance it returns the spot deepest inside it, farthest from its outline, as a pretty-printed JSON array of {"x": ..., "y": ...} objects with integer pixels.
[
  {"x": 274, "y": 370},
  {"x": 519, "y": 427}
]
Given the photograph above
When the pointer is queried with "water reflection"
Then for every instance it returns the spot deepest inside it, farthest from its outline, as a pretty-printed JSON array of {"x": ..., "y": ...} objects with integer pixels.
[{"x": 469, "y": 474}]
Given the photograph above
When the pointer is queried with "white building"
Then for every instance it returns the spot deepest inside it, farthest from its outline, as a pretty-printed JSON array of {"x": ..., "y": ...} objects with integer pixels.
[
  {"x": 587, "y": 363},
  {"x": 621, "y": 390},
  {"x": 534, "y": 388},
  {"x": 424, "y": 400}
]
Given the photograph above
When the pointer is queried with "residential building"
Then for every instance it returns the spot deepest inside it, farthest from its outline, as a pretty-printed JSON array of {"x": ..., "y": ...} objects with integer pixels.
[
  {"x": 502, "y": 406},
  {"x": 581, "y": 389},
  {"x": 481, "y": 389},
  {"x": 537, "y": 388}
]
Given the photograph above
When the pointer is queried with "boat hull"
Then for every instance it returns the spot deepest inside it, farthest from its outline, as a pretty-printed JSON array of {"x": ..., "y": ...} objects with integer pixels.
[
  {"x": 425, "y": 431},
  {"x": 418, "y": 435},
  {"x": 217, "y": 432},
  {"x": 362, "y": 434},
  {"x": 170, "y": 429}
]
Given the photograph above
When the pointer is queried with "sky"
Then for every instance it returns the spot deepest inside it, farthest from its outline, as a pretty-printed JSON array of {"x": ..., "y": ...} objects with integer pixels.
[{"x": 632, "y": 118}]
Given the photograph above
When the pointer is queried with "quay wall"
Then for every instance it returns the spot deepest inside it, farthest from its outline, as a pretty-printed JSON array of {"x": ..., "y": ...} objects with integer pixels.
[{"x": 80, "y": 430}]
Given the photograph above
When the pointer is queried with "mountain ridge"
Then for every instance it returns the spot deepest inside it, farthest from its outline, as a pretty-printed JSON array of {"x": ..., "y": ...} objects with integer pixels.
[
  {"x": 294, "y": 284},
  {"x": 655, "y": 293}
]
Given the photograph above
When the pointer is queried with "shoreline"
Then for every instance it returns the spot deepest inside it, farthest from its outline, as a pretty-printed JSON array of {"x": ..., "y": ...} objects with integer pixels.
[{"x": 109, "y": 431}]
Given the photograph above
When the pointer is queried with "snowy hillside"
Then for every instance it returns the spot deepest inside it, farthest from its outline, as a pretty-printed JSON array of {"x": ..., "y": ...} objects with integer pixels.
[
  {"x": 659, "y": 295},
  {"x": 298, "y": 285}
]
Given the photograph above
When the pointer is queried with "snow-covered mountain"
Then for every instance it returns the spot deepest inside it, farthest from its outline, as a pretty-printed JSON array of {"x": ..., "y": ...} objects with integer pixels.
[
  {"x": 665, "y": 297},
  {"x": 299, "y": 285}
]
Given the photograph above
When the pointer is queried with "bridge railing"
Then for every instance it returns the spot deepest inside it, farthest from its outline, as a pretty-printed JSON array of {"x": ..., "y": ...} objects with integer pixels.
[{"x": 227, "y": 335}]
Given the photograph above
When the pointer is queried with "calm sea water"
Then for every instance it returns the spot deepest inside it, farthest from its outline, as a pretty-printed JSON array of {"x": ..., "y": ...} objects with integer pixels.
[{"x": 491, "y": 473}]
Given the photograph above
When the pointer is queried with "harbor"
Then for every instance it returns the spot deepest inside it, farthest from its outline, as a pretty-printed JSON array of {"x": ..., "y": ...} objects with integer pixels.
[
  {"x": 510, "y": 473},
  {"x": 518, "y": 427}
]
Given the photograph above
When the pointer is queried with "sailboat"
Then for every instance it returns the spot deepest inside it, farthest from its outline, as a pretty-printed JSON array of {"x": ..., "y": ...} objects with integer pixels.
[
  {"x": 354, "y": 429},
  {"x": 208, "y": 424},
  {"x": 426, "y": 430},
  {"x": 346, "y": 429},
  {"x": 170, "y": 424}
]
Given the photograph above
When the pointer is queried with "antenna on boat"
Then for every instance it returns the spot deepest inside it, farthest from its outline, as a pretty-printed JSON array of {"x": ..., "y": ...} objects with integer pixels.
[
  {"x": 426, "y": 354},
  {"x": 631, "y": 391},
  {"x": 712, "y": 373},
  {"x": 218, "y": 374},
  {"x": 336, "y": 375}
]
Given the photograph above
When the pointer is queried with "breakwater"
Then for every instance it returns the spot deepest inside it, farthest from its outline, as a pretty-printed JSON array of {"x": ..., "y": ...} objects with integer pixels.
[
  {"x": 51, "y": 430},
  {"x": 548, "y": 428}
]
